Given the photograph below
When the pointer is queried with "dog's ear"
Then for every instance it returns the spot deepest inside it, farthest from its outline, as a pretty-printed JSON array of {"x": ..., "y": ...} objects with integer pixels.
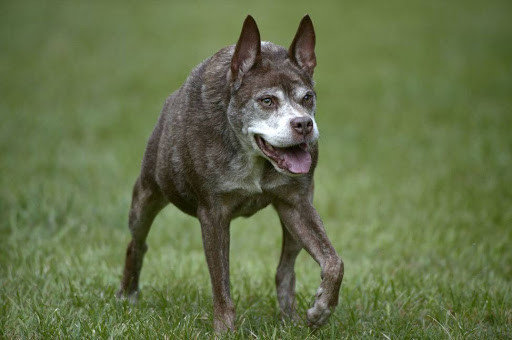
[
  {"x": 247, "y": 50},
  {"x": 302, "y": 50}
]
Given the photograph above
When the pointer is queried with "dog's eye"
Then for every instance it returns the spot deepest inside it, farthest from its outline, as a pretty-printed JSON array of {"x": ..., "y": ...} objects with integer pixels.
[
  {"x": 307, "y": 98},
  {"x": 267, "y": 101}
]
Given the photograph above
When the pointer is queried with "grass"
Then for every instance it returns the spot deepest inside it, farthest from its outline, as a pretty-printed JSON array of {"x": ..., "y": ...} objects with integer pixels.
[{"x": 414, "y": 182}]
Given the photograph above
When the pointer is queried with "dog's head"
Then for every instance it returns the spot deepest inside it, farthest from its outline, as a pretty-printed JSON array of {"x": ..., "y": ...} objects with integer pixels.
[{"x": 272, "y": 104}]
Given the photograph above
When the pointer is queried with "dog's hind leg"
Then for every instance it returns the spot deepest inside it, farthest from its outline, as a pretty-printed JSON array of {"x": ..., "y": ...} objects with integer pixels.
[
  {"x": 285, "y": 275},
  {"x": 147, "y": 201}
]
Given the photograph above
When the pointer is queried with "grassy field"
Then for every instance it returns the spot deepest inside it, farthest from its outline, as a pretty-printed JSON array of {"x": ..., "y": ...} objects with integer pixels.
[{"x": 414, "y": 182}]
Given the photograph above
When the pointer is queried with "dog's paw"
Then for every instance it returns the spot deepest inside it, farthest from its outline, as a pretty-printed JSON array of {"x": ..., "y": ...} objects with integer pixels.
[
  {"x": 224, "y": 320},
  {"x": 223, "y": 326},
  {"x": 132, "y": 297},
  {"x": 318, "y": 314}
]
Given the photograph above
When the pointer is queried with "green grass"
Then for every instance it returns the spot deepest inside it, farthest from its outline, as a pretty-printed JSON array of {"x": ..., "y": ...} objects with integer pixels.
[{"x": 414, "y": 182}]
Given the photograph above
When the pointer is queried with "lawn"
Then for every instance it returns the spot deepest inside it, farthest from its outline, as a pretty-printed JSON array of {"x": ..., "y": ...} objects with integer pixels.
[{"x": 414, "y": 182}]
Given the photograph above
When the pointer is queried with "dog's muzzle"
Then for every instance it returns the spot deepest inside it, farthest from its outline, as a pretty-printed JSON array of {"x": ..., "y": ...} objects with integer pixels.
[{"x": 295, "y": 159}]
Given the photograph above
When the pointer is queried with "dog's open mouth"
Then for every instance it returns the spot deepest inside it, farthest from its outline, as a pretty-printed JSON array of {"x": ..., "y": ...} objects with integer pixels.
[{"x": 295, "y": 159}]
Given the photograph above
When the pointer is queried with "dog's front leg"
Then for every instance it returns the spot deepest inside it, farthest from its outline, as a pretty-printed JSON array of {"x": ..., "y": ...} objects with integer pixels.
[
  {"x": 285, "y": 274},
  {"x": 303, "y": 222},
  {"x": 215, "y": 234}
]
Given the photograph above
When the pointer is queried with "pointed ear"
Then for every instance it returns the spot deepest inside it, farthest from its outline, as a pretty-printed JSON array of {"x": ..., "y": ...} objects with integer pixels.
[
  {"x": 247, "y": 50},
  {"x": 302, "y": 50}
]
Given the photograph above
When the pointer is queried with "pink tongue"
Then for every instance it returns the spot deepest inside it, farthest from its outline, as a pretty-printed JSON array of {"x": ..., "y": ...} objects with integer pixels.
[{"x": 297, "y": 160}]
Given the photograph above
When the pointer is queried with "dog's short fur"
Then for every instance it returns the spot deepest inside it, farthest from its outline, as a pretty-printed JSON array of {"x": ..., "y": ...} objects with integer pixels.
[{"x": 239, "y": 135}]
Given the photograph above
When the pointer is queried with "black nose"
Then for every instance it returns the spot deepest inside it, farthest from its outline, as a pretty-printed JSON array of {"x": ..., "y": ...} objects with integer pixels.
[{"x": 302, "y": 125}]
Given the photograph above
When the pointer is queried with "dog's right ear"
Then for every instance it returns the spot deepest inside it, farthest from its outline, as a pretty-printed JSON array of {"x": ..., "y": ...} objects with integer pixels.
[{"x": 247, "y": 51}]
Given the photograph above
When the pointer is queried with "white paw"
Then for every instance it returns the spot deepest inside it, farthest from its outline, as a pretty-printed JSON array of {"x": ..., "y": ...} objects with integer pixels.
[
  {"x": 318, "y": 314},
  {"x": 131, "y": 298}
]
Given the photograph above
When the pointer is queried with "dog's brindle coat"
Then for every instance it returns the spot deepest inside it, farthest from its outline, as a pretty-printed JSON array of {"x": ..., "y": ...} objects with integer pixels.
[{"x": 207, "y": 157}]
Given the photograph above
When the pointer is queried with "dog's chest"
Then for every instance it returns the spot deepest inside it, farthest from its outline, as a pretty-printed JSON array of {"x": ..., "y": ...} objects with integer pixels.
[
  {"x": 250, "y": 205},
  {"x": 243, "y": 175},
  {"x": 248, "y": 188}
]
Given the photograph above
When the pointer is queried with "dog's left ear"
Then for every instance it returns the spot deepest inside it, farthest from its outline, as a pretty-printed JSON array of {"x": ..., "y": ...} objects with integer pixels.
[
  {"x": 247, "y": 50},
  {"x": 302, "y": 50}
]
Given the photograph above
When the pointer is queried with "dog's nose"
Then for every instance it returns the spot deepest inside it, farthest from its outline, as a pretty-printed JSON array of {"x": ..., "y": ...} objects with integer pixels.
[{"x": 302, "y": 125}]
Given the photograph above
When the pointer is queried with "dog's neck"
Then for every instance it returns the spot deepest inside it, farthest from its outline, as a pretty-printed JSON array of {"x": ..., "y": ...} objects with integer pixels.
[{"x": 245, "y": 174}]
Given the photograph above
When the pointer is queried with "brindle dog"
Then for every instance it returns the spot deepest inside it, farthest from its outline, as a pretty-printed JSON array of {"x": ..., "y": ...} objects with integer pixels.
[{"x": 239, "y": 135}]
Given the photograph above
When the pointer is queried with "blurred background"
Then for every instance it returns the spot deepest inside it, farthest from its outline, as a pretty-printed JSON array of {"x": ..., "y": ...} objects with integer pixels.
[{"x": 414, "y": 182}]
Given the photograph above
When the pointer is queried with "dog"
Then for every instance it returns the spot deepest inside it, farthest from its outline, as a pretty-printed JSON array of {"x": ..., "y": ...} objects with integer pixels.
[{"x": 237, "y": 136}]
